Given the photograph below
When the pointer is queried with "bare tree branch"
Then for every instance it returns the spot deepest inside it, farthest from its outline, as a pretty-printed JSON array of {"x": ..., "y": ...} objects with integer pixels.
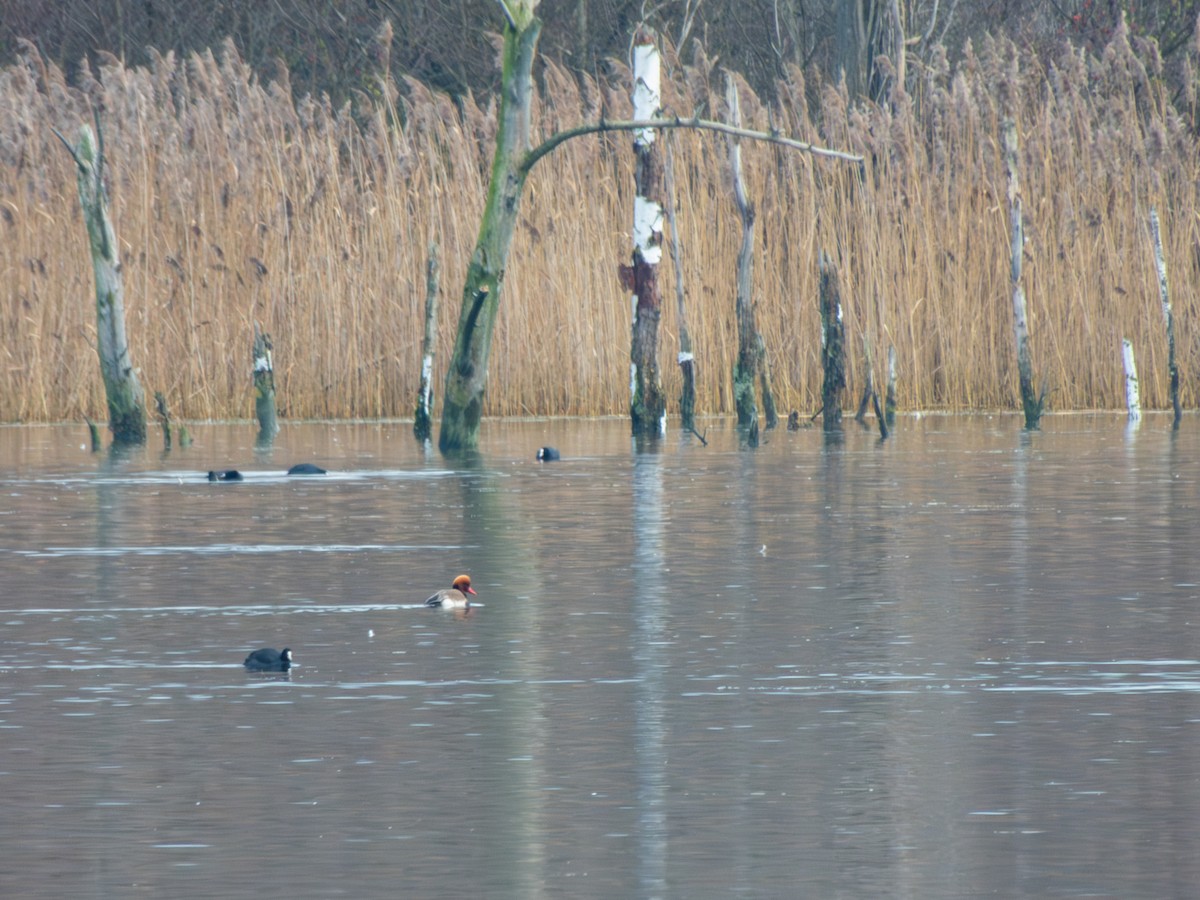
[{"x": 603, "y": 125}]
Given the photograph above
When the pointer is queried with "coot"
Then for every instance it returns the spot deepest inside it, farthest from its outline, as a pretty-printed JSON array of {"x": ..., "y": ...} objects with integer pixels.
[
  {"x": 305, "y": 469},
  {"x": 268, "y": 659}
]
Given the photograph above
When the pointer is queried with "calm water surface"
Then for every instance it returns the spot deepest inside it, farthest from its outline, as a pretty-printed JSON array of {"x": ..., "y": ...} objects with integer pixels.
[{"x": 961, "y": 662}]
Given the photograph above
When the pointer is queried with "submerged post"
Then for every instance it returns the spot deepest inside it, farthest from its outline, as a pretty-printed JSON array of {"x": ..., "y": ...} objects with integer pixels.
[
  {"x": 1132, "y": 398},
  {"x": 126, "y": 399},
  {"x": 264, "y": 388},
  {"x": 833, "y": 339},
  {"x": 423, "y": 419},
  {"x": 647, "y": 406},
  {"x": 1160, "y": 264},
  {"x": 1031, "y": 401},
  {"x": 164, "y": 415}
]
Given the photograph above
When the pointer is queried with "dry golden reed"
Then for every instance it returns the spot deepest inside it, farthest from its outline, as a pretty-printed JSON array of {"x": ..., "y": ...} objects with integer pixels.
[{"x": 236, "y": 204}]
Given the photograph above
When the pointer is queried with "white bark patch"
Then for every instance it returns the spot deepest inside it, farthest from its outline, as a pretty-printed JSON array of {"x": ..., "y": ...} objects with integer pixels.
[
  {"x": 684, "y": 357},
  {"x": 647, "y": 229},
  {"x": 647, "y": 93}
]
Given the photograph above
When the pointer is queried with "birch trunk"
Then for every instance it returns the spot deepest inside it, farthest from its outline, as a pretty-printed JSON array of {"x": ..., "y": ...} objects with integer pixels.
[
  {"x": 1133, "y": 401},
  {"x": 423, "y": 419},
  {"x": 647, "y": 406}
]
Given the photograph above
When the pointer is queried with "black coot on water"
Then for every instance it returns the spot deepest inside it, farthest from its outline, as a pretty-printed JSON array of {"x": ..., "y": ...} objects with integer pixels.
[{"x": 268, "y": 659}]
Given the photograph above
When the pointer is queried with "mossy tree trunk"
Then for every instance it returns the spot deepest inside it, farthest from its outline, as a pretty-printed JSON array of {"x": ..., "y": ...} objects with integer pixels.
[
  {"x": 466, "y": 378},
  {"x": 126, "y": 399}
]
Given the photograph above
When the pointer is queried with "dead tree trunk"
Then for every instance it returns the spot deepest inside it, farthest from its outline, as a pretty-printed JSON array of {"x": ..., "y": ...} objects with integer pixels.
[
  {"x": 1031, "y": 400},
  {"x": 745, "y": 369},
  {"x": 1160, "y": 264},
  {"x": 126, "y": 399},
  {"x": 687, "y": 362},
  {"x": 423, "y": 419},
  {"x": 466, "y": 378},
  {"x": 833, "y": 341},
  {"x": 264, "y": 388},
  {"x": 647, "y": 407},
  {"x": 164, "y": 415},
  {"x": 751, "y": 364}
]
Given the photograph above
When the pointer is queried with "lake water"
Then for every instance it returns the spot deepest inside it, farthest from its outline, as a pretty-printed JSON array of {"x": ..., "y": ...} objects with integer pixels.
[{"x": 963, "y": 661}]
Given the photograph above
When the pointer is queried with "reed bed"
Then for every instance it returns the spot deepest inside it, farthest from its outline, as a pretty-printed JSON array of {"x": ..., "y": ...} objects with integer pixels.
[{"x": 234, "y": 203}]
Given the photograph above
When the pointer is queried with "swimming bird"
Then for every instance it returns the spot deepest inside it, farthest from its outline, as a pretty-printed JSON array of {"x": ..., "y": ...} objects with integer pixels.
[
  {"x": 305, "y": 469},
  {"x": 547, "y": 454},
  {"x": 226, "y": 475},
  {"x": 268, "y": 659},
  {"x": 454, "y": 597}
]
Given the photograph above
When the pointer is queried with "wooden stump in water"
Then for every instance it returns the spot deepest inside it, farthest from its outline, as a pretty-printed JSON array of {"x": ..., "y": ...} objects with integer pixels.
[
  {"x": 833, "y": 340},
  {"x": 1133, "y": 401},
  {"x": 264, "y": 388}
]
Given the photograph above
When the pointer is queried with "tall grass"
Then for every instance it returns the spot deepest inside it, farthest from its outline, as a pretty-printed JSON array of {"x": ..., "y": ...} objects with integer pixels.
[{"x": 236, "y": 204}]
